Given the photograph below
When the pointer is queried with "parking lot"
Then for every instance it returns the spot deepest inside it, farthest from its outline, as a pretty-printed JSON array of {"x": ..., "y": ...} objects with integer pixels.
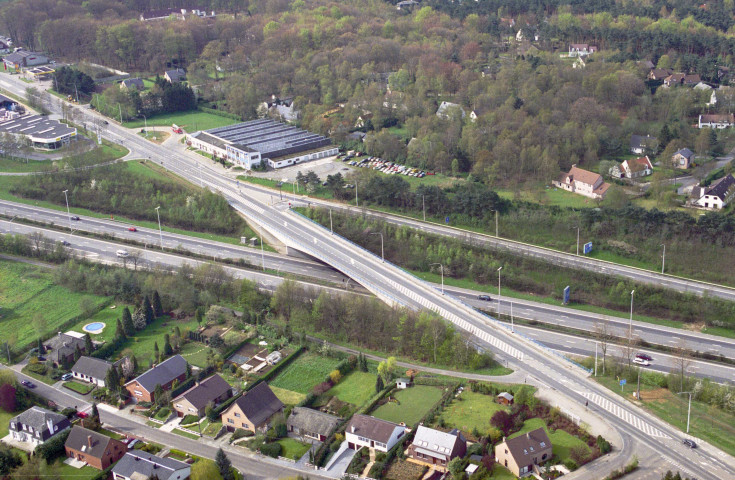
[{"x": 322, "y": 167}]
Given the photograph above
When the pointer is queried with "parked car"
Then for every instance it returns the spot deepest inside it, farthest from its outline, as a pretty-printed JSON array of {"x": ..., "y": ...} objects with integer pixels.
[
  {"x": 689, "y": 443},
  {"x": 640, "y": 361},
  {"x": 41, "y": 358},
  {"x": 644, "y": 356},
  {"x": 66, "y": 376},
  {"x": 82, "y": 414},
  {"x": 132, "y": 229},
  {"x": 28, "y": 384},
  {"x": 132, "y": 443},
  {"x": 484, "y": 297},
  {"x": 74, "y": 217}
]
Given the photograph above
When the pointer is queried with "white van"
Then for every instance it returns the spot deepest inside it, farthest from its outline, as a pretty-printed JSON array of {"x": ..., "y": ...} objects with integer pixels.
[{"x": 122, "y": 253}]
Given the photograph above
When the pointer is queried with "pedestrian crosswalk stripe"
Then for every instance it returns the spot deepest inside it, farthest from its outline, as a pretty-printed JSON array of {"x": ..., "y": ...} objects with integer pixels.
[{"x": 624, "y": 415}]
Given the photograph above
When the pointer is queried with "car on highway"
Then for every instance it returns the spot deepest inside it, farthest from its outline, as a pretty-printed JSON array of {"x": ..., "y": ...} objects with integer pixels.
[
  {"x": 484, "y": 297},
  {"x": 689, "y": 443},
  {"x": 641, "y": 361},
  {"x": 66, "y": 376},
  {"x": 28, "y": 384},
  {"x": 122, "y": 253},
  {"x": 74, "y": 217},
  {"x": 105, "y": 122},
  {"x": 132, "y": 229},
  {"x": 644, "y": 356},
  {"x": 64, "y": 242}
]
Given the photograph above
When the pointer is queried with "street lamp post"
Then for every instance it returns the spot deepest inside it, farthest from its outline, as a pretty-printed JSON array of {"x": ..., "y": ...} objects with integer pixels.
[
  {"x": 499, "y": 269},
  {"x": 331, "y": 228},
  {"x": 68, "y": 214},
  {"x": 663, "y": 258},
  {"x": 357, "y": 203},
  {"x": 442, "y": 271},
  {"x": 689, "y": 411},
  {"x": 145, "y": 125},
  {"x": 262, "y": 252},
  {"x": 578, "y": 241},
  {"x": 160, "y": 233},
  {"x": 423, "y": 205},
  {"x": 382, "y": 252},
  {"x": 596, "y": 358},
  {"x": 630, "y": 324}
]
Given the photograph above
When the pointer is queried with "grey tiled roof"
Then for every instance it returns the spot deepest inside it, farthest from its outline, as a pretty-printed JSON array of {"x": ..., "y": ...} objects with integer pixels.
[
  {"x": 78, "y": 439},
  {"x": 312, "y": 421},
  {"x": 206, "y": 391},
  {"x": 259, "y": 404},
  {"x": 371, "y": 428},
  {"x": 36, "y": 417},
  {"x": 147, "y": 465},
  {"x": 92, "y": 367},
  {"x": 163, "y": 373}
]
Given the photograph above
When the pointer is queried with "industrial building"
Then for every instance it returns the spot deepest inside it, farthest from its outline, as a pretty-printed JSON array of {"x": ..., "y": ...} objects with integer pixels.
[
  {"x": 249, "y": 144},
  {"x": 42, "y": 132}
]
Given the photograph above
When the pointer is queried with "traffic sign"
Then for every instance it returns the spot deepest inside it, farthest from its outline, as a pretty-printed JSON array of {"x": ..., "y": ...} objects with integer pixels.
[
  {"x": 446, "y": 220},
  {"x": 566, "y": 295},
  {"x": 623, "y": 382},
  {"x": 587, "y": 248}
]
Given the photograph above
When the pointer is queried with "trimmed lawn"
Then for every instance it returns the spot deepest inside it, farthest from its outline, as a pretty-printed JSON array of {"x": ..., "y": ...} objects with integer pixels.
[
  {"x": 562, "y": 441},
  {"x": 4, "y": 419},
  {"x": 292, "y": 448},
  {"x": 195, "y": 353},
  {"x": 153, "y": 424},
  {"x": 28, "y": 292},
  {"x": 162, "y": 414},
  {"x": 501, "y": 473},
  {"x": 472, "y": 410},
  {"x": 212, "y": 429},
  {"x": 16, "y": 164},
  {"x": 111, "y": 434},
  {"x": 185, "y": 434},
  {"x": 287, "y": 396},
  {"x": 82, "y": 388},
  {"x": 109, "y": 317},
  {"x": 412, "y": 404},
  {"x": 142, "y": 343},
  {"x": 41, "y": 378},
  {"x": 304, "y": 373},
  {"x": 189, "y": 419},
  {"x": 189, "y": 121},
  {"x": 66, "y": 471},
  {"x": 356, "y": 388}
]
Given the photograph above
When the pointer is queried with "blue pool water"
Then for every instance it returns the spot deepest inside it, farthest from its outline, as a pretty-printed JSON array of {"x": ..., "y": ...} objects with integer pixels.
[{"x": 94, "y": 327}]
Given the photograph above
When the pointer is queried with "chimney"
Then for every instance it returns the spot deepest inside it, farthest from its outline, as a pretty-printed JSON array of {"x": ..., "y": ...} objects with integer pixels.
[
  {"x": 155, "y": 466},
  {"x": 137, "y": 459},
  {"x": 503, "y": 440},
  {"x": 89, "y": 441},
  {"x": 528, "y": 435},
  {"x": 59, "y": 333},
  {"x": 352, "y": 429}
]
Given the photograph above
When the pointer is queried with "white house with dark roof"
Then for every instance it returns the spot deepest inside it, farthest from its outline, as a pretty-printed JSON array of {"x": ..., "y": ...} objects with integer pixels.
[
  {"x": 446, "y": 108},
  {"x": 716, "y": 120},
  {"x": 581, "y": 49},
  {"x": 436, "y": 448},
  {"x": 634, "y": 168},
  {"x": 311, "y": 423},
  {"x": 92, "y": 370},
  {"x": 371, "y": 432},
  {"x": 138, "y": 465},
  {"x": 132, "y": 83},
  {"x": 36, "y": 425},
  {"x": 717, "y": 196},
  {"x": 175, "y": 76}
]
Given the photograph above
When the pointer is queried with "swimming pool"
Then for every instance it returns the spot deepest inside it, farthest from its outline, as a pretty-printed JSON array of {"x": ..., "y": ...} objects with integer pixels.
[{"x": 94, "y": 327}]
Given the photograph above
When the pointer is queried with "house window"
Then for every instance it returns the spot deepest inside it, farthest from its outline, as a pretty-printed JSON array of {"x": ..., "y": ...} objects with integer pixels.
[
  {"x": 139, "y": 393},
  {"x": 244, "y": 425},
  {"x": 229, "y": 420},
  {"x": 237, "y": 415}
]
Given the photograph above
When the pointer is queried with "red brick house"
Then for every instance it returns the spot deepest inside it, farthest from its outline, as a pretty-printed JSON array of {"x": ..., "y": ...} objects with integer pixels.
[
  {"x": 93, "y": 448},
  {"x": 142, "y": 387}
]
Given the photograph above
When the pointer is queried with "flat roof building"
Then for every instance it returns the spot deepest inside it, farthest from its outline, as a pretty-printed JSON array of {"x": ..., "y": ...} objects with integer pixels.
[
  {"x": 248, "y": 144},
  {"x": 41, "y": 131}
]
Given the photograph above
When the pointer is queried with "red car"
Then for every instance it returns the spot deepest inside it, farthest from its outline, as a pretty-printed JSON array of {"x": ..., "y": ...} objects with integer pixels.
[
  {"x": 82, "y": 415},
  {"x": 132, "y": 229}
]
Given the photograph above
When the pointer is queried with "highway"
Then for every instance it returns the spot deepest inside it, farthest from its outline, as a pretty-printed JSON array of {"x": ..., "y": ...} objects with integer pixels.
[
  {"x": 550, "y": 314},
  {"x": 393, "y": 285}
]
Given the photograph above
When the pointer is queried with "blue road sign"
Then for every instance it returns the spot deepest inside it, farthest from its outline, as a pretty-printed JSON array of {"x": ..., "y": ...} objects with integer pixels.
[
  {"x": 446, "y": 220},
  {"x": 587, "y": 248},
  {"x": 623, "y": 382},
  {"x": 566, "y": 295}
]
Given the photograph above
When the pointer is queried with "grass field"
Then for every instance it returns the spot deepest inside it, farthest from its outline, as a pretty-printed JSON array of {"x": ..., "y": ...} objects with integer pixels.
[
  {"x": 4, "y": 419},
  {"x": 142, "y": 344},
  {"x": 412, "y": 404},
  {"x": 562, "y": 441},
  {"x": 109, "y": 317},
  {"x": 185, "y": 434},
  {"x": 18, "y": 165},
  {"x": 189, "y": 121},
  {"x": 195, "y": 353},
  {"x": 66, "y": 471},
  {"x": 473, "y": 410},
  {"x": 81, "y": 388},
  {"x": 355, "y": 388},
  {"x": 303, "y": 373},
  {"x": 287, "y": 396},
  {"x": 31, "y": 302},
  {"x": 212, "y": 429},
  {"x": 162, "y": 414},
  {"x": 293, "y": 448},
  {"x": 501, "y": 473}
]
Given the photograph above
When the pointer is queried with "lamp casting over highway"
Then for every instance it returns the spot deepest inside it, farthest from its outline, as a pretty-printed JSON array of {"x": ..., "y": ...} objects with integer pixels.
[
  {"x": 68, "y": 215},
  {"x": 499, "y": 269},
  {"x": 442, "y": 270},
  {"x": 630, "y": 324},
  {"x": 262, "y": 252},
  {"x": 663, "y": 258},
  {"x": 382, "y": 252},
  {"x": 331, "y": 228},
  {"x": 689, "y": 411},
  {"x": 160, "y": 234}
]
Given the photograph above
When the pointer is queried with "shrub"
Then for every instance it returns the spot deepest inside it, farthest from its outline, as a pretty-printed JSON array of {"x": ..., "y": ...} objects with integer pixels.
[
  {"x": 570, "y": 464},
  {"x": 38, "y": 368},
  {"x": 53, "y": 447},
  {"x": 579, "y": 454},
  {"x": 271, "y": 449},
  {"x": 335, "y": 376},
  {"x": 322, "y": 388},
  {"x": 603, "y": 445},
  {"x": 240, "y": 433}
]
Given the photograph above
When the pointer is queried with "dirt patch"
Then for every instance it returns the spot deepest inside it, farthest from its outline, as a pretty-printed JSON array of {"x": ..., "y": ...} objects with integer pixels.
[
  {"x": 657, "y": 395},
  {"x": 403, "y": 470},
  {"x": 695, "y": 327}
]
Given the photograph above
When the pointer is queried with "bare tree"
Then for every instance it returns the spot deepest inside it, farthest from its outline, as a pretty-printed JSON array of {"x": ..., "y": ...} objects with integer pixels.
[
  {"x": 604, "y": 336},
  {"x": 682, "y": 360},
  {"x": 628, "y": 347},
  {"x": 135, "y": 257},
  {"x": 38, "y": 241}
]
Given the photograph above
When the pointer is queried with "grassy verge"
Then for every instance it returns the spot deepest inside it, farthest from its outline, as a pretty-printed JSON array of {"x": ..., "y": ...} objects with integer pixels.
[
  {"x": 293, "y": 449},
  {"x": 189, "y": 121},
  {"x": 81, "y": 388},
  {"x": 153, "y": 424},
  {"x": 185, "y": 434},
  {"x": 41, "y": 378}
]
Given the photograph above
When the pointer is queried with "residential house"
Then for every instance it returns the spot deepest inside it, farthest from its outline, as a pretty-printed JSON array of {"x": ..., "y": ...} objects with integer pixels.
[
  {"x": 92, "y": 370},
  {"x": 132, "y": 83},
  {"x": 641, "y": 145},
  {"x": 520, "y": 454},
  {"x": 213, "y": 390},
  {"x": 254, "y": 410},
  {"x": 682, "y": 158},
  {"x": 36, "y": 425},
  {"x": 142, "y": 388},
  {"x": 403, "y": 383},
  {"x": 371, "y": 432},
  {"x": 161, "y": 14},
  {"x": 23, "y": 58},
  {"x": 281, "y": 107},
  {"x": 445, "y": 109},
  {"x": 362, "y": 120},
  {"x": 436, "y": 448},
  {"x": 716, "y": 120},
  {"x": 581, "y": 49},
  {"x": 682, "y": 79},
  {"x": 717, "y": 195},
  {"x": 311, "y": 423},
  {"x": 659, "y": 73},
  {"x": 138, "y": 465},
  {"x": 175, "y": 76},
  {"x": 505, "y": 398},
  {"x": 702, "y": 86},
  {"x": 638, "y": 167},
  {"x": 406, "y": 4},
  {"x": 582, "y": 182},
  {"x": 355, "y": 137},
  {"x": 93, "y": 448},
  {"x": 478, "y": 112},
  {"x": 61, "y": 349}
]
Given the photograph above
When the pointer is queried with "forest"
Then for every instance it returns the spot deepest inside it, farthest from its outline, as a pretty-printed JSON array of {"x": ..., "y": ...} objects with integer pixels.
[{"x": 347, "y": 60}]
